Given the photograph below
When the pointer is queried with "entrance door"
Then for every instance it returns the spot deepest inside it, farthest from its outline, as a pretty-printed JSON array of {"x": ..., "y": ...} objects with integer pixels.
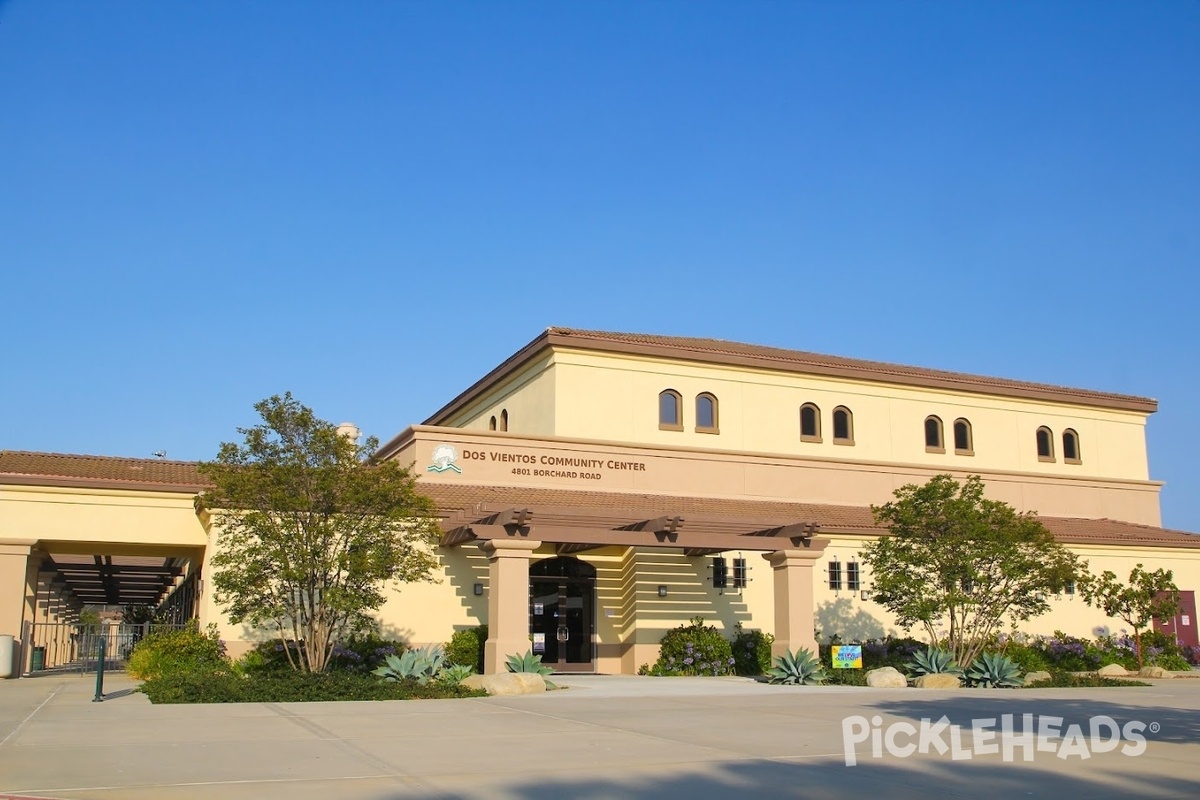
[
  {"x": 562, "y": 616},
  {"x": 1183, "y": 625}
]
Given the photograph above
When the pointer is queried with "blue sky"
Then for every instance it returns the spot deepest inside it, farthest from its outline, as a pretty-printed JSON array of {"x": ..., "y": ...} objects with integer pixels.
[{"x": 372, "y": 204}]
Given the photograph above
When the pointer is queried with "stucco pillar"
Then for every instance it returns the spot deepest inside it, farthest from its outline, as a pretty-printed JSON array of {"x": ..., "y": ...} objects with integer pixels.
[
  {"x": 16, "y": 598},
  {"x": 508, "y": 600},
  {"x": 794, "y": 619}
]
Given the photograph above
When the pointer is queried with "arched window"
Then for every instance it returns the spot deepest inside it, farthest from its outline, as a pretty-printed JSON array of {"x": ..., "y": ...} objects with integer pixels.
[
  {"x": 843, "y": 426},
  {"x": 706, "y": 413},
  {"x": 810, "y": 423},
  {"x": 963, "y": 444},
  {"x": 504, "y": 419},
  {"x": 1071, "y": 454},
  {"x": 1045, "y": 444},
  {"x": 492, "y": 424},
  {"x": 933, "y": 436},
  {"x": 670, "y": 410}
]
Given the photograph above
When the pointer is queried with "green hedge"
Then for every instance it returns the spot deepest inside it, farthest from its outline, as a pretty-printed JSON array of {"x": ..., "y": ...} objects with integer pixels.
[
  {"x": 184, "y": 650},
  {"x": 205, "y": 686},
  {"x": 465, "y": 647}
]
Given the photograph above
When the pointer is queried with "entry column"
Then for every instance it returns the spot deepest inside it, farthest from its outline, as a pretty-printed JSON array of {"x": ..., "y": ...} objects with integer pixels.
[
  {"x": 18, "y": 584},
  {"x": 508, "y": 600},
  {"x": 794, "y": 618}
]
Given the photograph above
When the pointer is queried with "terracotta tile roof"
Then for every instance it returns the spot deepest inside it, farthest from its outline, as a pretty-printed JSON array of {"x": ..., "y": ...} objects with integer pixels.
[
  {"x": 801, "y": 361},
  {"x": 461, "y": 499},
  {"x": 61, "y": 469}
]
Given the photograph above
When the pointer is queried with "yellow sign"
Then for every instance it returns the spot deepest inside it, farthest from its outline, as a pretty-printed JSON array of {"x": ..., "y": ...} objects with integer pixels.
[{"x": 847, "y": 656}]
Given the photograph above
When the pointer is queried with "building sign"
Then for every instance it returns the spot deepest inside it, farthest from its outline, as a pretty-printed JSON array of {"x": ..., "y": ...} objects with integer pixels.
[
  {"x": 847, "y": 656},
  {"x": 443, "y": 458},
  {"x": 539, "y": 643}
]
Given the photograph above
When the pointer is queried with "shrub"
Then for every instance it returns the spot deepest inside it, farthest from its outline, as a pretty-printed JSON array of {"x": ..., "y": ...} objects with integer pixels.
[
  {"x": 1065, "y": 680},
  {"x": 466, "y": 647},
  {"x": 290, "y": 687},
  {"x": 363, "y": 653},
  {"x": 751, "y": 651},
  {"x": 694, "y": 649},
  {"x": 181, "y": 650},
  {"x": 1069, "y": 653}
]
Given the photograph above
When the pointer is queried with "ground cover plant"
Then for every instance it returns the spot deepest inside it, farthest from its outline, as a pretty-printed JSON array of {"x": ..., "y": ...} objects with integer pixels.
[
  {"x": 291, "y": 686},
  {"x": 1068, "y": 680}
]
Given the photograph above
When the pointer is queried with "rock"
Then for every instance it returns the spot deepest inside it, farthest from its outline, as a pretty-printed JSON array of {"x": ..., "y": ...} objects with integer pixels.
[
  {"x": 1154, "y": 672},
  {"x": 939, "y": 680},
  {"x": 886, "y": 678},
  {"x": 1033, "y": 677},
  {"x": 1112, "y": 671},
  {"x": 506, "y": 684}
]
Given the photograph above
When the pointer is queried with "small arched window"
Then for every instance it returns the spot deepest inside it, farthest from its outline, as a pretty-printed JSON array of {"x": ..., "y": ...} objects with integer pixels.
[
  {"x": 670, "y": 410},
  {"x": 504, "y": 419},
  {"x": 706, "y": 413},
  {"x": 963, "y": 441},
  {"x": 934, "y": 443},
  {"x": 1071, "y": 454},
  {"x": 1045, "y": 444},
  {"x": 492, "y": 424},
  {"x": 843, "y": 426},
  {"x": 810, "y": 423}
]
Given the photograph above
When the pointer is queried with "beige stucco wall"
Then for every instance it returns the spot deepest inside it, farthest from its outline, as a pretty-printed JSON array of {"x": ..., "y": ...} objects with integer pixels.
[
  {"x": 529, "y": 397},
  {"x": 614, "y": 397}
]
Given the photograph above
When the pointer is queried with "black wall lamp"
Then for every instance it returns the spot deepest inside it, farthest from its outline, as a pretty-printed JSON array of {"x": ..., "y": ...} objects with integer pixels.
[
  {"x": 478, "y": 589},
  {"x": 662, "y": 591}
]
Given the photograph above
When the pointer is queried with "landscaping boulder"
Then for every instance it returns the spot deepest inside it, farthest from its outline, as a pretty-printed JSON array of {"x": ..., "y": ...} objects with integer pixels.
[
  {"x": 938, "y": 680},
  {"x": 1033, "y": 677},
  {"x": 1154, "y": 672},
  {"x": 886, "y": 678},
  {"x": 1112, "y": 671},
  {"x": 507, "y": 683}
]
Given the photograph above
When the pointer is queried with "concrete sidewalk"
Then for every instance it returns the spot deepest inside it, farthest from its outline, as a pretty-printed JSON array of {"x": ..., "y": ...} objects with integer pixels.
[{"x": 605, "y": 736}]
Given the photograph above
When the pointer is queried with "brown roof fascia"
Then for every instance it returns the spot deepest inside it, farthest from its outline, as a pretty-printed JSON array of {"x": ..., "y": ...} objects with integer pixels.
[
  {"x": 98, "y": 483},
  {"x": 803, "y": 363}
]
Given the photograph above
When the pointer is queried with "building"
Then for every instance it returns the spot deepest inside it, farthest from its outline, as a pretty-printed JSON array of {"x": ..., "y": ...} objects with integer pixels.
[{"x": 598, "y": 489}]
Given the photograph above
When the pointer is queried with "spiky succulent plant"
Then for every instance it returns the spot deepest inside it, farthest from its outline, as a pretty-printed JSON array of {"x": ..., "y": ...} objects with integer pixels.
[
  {"x": 799, "y": 668},
  {"x": 994, "y": 671},
  {"x": 419, "y": 665},
  {"x": 932, "y": 662}
]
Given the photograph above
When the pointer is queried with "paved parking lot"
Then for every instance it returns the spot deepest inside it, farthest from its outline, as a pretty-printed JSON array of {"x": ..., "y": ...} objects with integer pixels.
[{"x": 603, "y": 737}]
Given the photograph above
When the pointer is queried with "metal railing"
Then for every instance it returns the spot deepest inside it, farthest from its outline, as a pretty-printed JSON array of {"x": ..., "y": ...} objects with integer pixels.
[{"x": 67, "y": 647}]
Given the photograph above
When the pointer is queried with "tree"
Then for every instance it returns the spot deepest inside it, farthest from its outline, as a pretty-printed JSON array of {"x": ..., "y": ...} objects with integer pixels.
[
  {"x": 311, "y": 529},
  {"x": 957, "y": 564},
  {"x": 1146, "y": 596}
]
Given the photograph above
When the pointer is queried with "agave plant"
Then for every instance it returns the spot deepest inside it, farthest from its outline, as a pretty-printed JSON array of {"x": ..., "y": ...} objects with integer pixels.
[
  {"x": 419, "y": 665},
  {"x": 455, "y": 673},
  {"x": 527, "y": 663},
  {"x": 799, "y": 668},
  {"x": 994, "y": 671},
  {"x": 932, "y": 662}
]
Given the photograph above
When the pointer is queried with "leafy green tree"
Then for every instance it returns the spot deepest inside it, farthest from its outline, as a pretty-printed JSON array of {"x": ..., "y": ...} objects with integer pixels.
[
  {"x": 311, "y": 528},
  {"x": 1146, "y": 596},
  {"x": 89, "y": 616},
  {"x": 958, "y": 564}
]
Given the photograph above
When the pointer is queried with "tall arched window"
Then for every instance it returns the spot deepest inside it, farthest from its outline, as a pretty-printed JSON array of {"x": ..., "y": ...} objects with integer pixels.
[
  {"x": 670, "y": 410},
  {"x": 1045, "y": 444},
  {"x": 706, "y": 413},
  {"x": 963, "y": 443},
  {"x": 504, "y": 419},
  {"x": 492, "y": 424},
  {"x": 1071, "y": 454},
  {"x": 934, "y": 443},
  {"x": 810, "y": 423},
  {"x": 843, "y": 426}
]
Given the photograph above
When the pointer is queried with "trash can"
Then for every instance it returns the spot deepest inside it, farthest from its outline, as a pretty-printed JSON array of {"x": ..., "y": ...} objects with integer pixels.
[
  {"x": 6, "y": 655},
  {"x": 39, "y": 660}
]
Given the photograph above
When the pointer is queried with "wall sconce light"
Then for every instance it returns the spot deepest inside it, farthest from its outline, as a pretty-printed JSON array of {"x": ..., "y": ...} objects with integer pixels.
[
  {"x": 478, "y": 589},
  {"x": 662, "y": 591},
  {"x": 865, "y": 594}
]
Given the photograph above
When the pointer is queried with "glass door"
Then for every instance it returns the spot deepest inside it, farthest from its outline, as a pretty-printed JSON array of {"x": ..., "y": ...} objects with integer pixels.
[{"x": 562, "y": 614}]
